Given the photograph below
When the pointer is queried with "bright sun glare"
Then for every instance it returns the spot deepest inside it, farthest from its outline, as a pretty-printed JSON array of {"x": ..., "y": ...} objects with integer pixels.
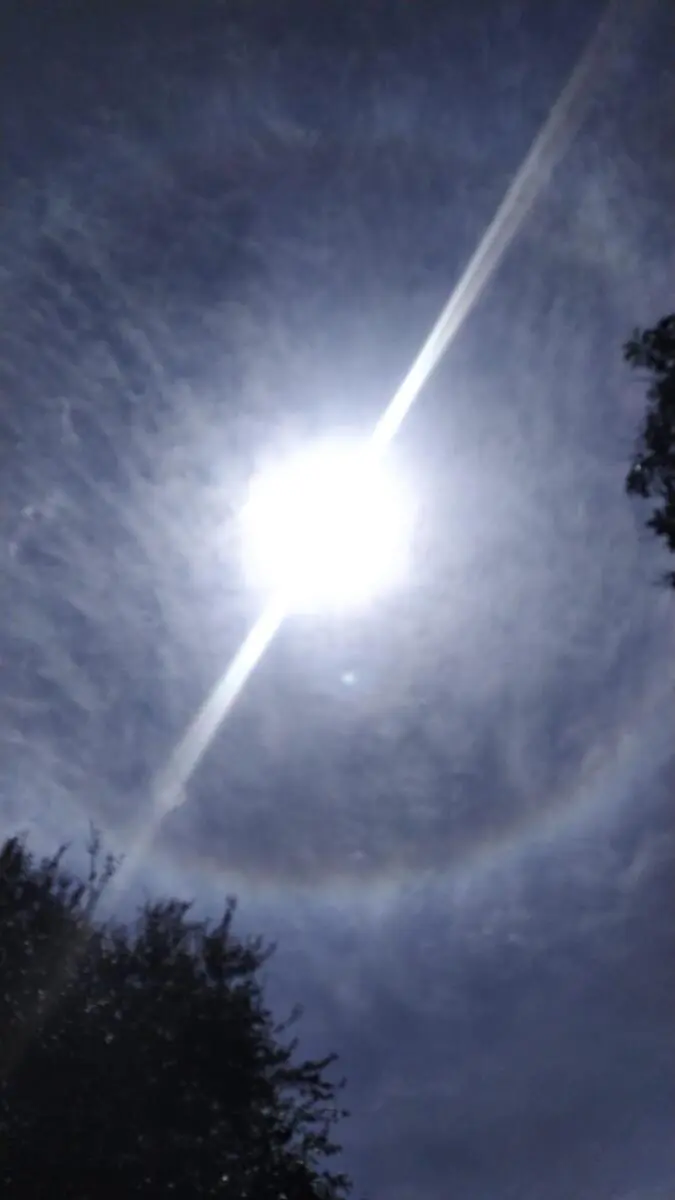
[{"x": 328, "y": 528}]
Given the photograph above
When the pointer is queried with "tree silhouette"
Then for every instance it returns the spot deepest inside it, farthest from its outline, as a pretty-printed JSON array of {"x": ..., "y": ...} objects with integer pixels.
[
  {"x": 140, "y": 1059},
  {"x": 652, "y": 472}
]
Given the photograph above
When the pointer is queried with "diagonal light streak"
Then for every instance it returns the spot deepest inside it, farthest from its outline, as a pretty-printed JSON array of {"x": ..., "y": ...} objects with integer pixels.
[
  {"x": 168, "y": 791},
  {"x": 199, "y": 734},
  {"x": 548, "y": 147}
]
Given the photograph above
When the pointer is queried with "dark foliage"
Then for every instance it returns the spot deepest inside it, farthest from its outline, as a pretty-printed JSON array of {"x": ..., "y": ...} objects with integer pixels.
[
  {"x": 141, "y": 1060},
  {"x": 652, "y": 472}
]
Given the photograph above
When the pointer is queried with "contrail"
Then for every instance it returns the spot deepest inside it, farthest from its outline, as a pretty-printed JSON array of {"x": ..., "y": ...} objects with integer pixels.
[
  {"x": 548, "y": 147},
  {"x": 168, "y": 790},
  {"x": 554, "y": 137},
  {"x": 196, "y": 740}
]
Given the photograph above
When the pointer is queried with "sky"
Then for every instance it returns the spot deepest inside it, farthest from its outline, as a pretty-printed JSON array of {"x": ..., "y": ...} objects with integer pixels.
[{"x": 226, "y": 228}]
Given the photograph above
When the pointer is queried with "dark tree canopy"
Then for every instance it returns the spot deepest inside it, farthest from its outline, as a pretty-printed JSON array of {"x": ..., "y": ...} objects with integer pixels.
[
  {"x": 652, "y": 473},
  {"x": 141, "y": 1060}
]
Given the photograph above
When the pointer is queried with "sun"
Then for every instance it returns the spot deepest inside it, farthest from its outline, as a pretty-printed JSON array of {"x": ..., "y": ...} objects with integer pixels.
[{"x": 328, "y": 528}]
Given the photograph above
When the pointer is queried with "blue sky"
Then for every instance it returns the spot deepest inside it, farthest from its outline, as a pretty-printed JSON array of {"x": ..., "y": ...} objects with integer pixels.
[{"x": 222, "y": 236}]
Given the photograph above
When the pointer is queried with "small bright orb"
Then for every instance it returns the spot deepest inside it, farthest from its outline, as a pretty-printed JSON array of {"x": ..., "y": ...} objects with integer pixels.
[{"x": 326, "y": 529}]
